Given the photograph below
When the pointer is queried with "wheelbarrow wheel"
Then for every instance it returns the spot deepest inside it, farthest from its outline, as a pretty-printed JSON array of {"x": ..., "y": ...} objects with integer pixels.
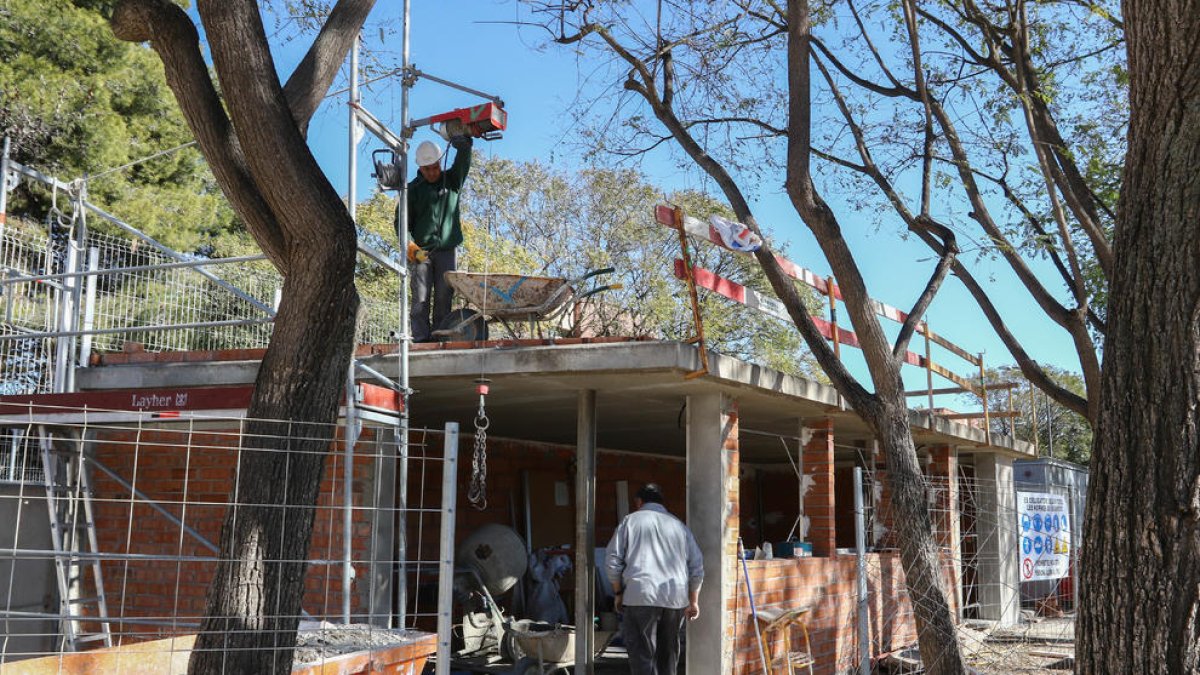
[
  {"x": 509, "y": 649},
  {"x": 527, "y": 666},
  {"x": 461, "y": 325}
]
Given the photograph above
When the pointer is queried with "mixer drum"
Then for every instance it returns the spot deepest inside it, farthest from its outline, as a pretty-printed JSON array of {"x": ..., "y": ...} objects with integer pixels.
[{"x": 497, "y": 554}]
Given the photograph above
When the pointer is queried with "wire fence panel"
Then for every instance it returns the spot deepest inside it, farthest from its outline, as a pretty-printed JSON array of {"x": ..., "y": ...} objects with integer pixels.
[
  {"x": 65, "y": 297},
  {"x": 1007, "y": 557},
  {"x": 988, "y": 548},
  {"x": 109, "y": 533},
  {"x": 28, "y": 307}
]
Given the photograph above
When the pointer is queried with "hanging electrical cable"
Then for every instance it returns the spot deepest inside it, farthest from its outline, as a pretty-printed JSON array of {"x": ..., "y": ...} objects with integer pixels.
[
  {"x": 477, "y": 493},
  {"x": 140, "y": 160}
]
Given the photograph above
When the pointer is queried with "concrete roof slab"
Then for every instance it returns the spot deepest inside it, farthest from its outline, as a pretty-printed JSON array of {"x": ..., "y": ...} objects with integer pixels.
[{"x": 640, "y": 388}]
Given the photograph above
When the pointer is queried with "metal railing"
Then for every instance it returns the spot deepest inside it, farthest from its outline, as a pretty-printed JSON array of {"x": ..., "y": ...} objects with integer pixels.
[{"x": 68, "y": 290}]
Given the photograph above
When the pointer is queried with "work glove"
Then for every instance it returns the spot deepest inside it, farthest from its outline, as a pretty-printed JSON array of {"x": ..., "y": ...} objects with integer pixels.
[
  {"x": 416, "y": 254},
  {"x": 461, "y": 141}
]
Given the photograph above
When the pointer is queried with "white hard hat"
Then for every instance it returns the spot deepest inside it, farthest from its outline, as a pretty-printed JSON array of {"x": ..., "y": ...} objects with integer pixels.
[{"x": 428, "y": 153}]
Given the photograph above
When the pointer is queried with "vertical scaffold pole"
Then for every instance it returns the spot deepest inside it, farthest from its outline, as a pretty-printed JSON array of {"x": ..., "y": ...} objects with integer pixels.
[
  {"x": 928, "y": 366},
  {"x": 445, "y": 622},
  {"x": 4, "y": 186},
  {"x": 1033, "y": 411},
  {"x": 351, "y": 439},
  {"x": 833, "y": 320},
  {"x": 983, "y": 388},
  {"x": 405, "y": 336},
  {"x": 690, "y": 277},
  {"x": 351, "y": 429},
  {"x": 89, "y": 306},
  {"x": 860, "y": 544}
]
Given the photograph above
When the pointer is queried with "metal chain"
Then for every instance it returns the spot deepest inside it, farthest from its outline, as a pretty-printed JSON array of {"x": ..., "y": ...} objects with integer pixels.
[{"x": 477, "y": 493}]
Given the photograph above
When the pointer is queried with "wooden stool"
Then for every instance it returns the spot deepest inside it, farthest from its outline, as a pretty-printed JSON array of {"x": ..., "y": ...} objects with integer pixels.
[{"x": 781, "y": 620}]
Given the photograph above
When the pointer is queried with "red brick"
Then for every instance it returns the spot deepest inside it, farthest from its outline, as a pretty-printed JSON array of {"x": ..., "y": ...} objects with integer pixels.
[{"x": 201, "y": 355}]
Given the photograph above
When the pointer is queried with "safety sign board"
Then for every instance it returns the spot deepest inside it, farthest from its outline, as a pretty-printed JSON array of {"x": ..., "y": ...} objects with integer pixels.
[{"x": 1044, "y": 536}]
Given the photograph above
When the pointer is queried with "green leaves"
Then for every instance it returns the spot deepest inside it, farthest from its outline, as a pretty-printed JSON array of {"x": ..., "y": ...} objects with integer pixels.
[
  {"x": 529, "y": 218},
  {"x": 1042, "y": 421},
  {"x": 77, "y": 102}
]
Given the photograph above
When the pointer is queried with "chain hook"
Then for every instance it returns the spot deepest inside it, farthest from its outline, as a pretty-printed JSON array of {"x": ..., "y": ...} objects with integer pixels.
[{"x": 477, "y": 493}]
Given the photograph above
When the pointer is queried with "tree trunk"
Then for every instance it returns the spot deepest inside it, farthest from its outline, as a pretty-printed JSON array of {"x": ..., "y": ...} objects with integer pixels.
[
  {"x": 937, "y": 636},
  {"x": 254, "y": 603},
  {"x": 1140, "y": 592},
  {"x": 264, "y": 167}
]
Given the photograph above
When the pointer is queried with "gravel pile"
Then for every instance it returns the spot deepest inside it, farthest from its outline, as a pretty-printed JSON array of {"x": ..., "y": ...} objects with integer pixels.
[{"x": 320, "y": 640}]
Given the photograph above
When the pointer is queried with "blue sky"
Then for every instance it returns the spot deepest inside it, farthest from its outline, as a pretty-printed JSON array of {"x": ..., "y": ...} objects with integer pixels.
[{"x": 461, "y": 40}]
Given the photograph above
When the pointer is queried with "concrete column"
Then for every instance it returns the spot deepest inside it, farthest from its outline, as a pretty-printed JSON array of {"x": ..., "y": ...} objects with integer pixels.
[
  {"x": 378, "y": 593},
  {"x": 712, "y": 515},
  {"x": 819, "y": 501},
  {"x": 943, "y": 472},
  {"x": 996, "y": 523},
  {"x": 585, "y": 533}
]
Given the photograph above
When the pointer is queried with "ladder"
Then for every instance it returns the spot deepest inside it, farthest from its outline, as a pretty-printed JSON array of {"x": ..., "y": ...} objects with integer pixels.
[{"x": 68, "y": 485}]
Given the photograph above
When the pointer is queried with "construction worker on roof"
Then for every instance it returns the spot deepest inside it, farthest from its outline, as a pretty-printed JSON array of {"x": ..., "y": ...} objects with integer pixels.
[{"x": 435, "y": 231}]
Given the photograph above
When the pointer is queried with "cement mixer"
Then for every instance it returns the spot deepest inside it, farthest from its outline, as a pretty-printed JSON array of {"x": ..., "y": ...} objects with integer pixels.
[
  {"x": 497, "y": 556},
  {"x": 488, "y": 563}
]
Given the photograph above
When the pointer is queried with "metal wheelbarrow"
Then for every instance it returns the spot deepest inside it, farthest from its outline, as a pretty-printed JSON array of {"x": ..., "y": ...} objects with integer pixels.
[
  {"x": 548, "y": 649},
  {"x": 511, "y": 297}
]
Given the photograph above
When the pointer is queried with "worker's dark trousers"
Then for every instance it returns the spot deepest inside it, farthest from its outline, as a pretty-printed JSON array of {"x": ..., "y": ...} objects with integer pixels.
[
  {"x": 652, "y": 639},
  {"x": 431, "y": 273}
]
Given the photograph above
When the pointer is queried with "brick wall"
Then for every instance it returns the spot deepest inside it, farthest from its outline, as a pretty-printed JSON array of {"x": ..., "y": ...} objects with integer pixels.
[
  {"x": 827, "y": 585},
  {"x": 827, "y": 582},
  {"x": 191, "y": 475},
  {"x": 819, "y": 502},
  {"x": 731, "y": 449}
]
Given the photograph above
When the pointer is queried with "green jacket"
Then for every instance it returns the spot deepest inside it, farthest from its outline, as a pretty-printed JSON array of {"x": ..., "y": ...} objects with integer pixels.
[{"x": 433, "y": 220}]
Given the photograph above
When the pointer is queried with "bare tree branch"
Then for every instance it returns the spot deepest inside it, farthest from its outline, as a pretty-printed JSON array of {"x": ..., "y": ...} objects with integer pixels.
[
  {"x": 945, "y": 262},
  {"x": 834, "y": 159},
  {"x": 897, "y": 90},
  {"x": 775, "y": 131},
  {"x": 668, "y": 62},
  {"x": 866, "y": 36},
  {"x": 921, "y": 224},
  {"x": 256, "y": 113},
  {"x": 1029, "y": 367},
  {"x": 1043, "y": 130},
  {"x": 981, "y": 214},
  {"x": 174, "y": 38},
  {"x": 783, "y": 286},
  {"x": 1084, "y": 56},
  {"x": 1053, "y": 179},
  {"x": 910, "y": 20},
  {"x": 975, "y": 56},
  {"x": 1036, "y": 223},
  {"x": 308, "y": 84}
]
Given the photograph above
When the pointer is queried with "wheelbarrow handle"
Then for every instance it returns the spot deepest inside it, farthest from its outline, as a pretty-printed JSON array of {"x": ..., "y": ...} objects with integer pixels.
[
  {"x": 598, "y": 289},
  {"x": 596, "y": 273}
]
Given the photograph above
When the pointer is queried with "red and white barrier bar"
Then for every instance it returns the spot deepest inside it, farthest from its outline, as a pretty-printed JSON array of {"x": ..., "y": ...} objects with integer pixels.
[
  {"x": 774, "y": 308},
  {"x": 665, "y": 215}
]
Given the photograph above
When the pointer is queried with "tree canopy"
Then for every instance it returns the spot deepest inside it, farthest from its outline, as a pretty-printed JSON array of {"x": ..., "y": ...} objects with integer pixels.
[
  {"x": 1004, "y": 123},
  {"x": 78, "y": 102},
  {"x": 530, "y": 218},
  {"x": 1053, "y": 429}
]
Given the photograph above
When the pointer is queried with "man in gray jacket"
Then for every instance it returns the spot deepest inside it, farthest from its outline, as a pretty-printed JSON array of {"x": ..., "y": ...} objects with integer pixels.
[{"x": 655, "y": 568}]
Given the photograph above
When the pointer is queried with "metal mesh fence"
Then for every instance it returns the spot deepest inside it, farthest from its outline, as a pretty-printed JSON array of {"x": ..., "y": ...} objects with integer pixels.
[
  {"x": 108, "y": 539},
  {"x": 1006, "y": 553},
  {"x": 63, "y": 299}
]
